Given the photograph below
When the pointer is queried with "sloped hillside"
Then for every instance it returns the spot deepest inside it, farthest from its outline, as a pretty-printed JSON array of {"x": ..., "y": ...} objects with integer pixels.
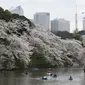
[{"x": 22, "y": 46}]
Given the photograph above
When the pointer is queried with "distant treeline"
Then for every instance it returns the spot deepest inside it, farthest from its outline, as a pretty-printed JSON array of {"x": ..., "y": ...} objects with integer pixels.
[
  {"x": 7, "y": 16},
  {"x": 65, "y": 34}
]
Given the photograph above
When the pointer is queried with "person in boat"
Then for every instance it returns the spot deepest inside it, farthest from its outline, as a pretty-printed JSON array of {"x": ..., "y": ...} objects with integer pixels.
[
  {"x": 49, "y": 74},
  {"x": 44, "y": 78},
  {"x": 54, "y": 75},
  {"x": 70, "y": 78}
]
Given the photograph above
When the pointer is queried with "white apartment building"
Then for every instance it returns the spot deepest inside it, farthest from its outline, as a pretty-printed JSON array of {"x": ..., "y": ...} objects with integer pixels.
[
  {"x": 17, "y": 10},
  {"x": 83, "y": 23},
  {"x": 60, "y": 25},
  {"x": 43, "y": 19}
]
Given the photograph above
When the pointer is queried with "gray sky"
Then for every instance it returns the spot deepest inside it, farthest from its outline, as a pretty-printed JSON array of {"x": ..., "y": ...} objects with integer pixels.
[{"x": 57, "y": 8}]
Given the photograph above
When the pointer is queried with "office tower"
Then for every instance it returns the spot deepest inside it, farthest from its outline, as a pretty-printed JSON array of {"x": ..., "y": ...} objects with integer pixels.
[
  {"x": 60, "y": 25},
  {"x": 54, "y": 25},
  {"x": 43, "y": 19},
  {"x": 17, "y": 10}
]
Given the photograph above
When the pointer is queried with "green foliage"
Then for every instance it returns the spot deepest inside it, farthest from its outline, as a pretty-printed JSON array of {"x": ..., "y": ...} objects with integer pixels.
[
  {"x": 64, "y": 34},
  {"x": 77, "y": 36},
  {"x": 17, "y": 16},
  {"x": 38, "y": 58},
  {"x": 1, "y": 13},
  {"x": 82, "y": 32},
  {"x": 20, "y": 64},
  {"x": 75, "y": 31},
  {"x": 7, "y": 16},
  {"x": 1, "y": 10}
]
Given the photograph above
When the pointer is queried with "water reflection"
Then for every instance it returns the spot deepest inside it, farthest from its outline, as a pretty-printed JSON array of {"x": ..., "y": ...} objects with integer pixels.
[{"x": 33, "y": 77}]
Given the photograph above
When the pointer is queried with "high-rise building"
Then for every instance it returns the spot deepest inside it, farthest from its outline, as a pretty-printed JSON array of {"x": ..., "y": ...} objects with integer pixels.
[
  {"x": 43, "y": 19},
  {"x": 60, "y": 25},
  {"x": 83, "y": 23},
  {"x": 54, "y": 25},
  {"x": 17, "y": 10}
]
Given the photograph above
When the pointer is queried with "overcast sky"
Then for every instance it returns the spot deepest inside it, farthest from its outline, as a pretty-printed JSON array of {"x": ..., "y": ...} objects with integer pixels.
[{"x": 57, "y": 8}]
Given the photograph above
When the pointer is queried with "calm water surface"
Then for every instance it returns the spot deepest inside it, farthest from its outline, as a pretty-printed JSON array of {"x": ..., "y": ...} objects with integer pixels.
[{"x": 34, "y": 77}]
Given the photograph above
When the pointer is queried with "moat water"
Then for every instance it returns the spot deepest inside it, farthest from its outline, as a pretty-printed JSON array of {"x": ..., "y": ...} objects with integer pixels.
[{"x": 33, "y": 77}]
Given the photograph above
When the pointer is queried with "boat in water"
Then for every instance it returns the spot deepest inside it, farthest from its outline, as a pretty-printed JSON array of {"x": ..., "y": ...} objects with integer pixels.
[{"x": 70, "y": 78}]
